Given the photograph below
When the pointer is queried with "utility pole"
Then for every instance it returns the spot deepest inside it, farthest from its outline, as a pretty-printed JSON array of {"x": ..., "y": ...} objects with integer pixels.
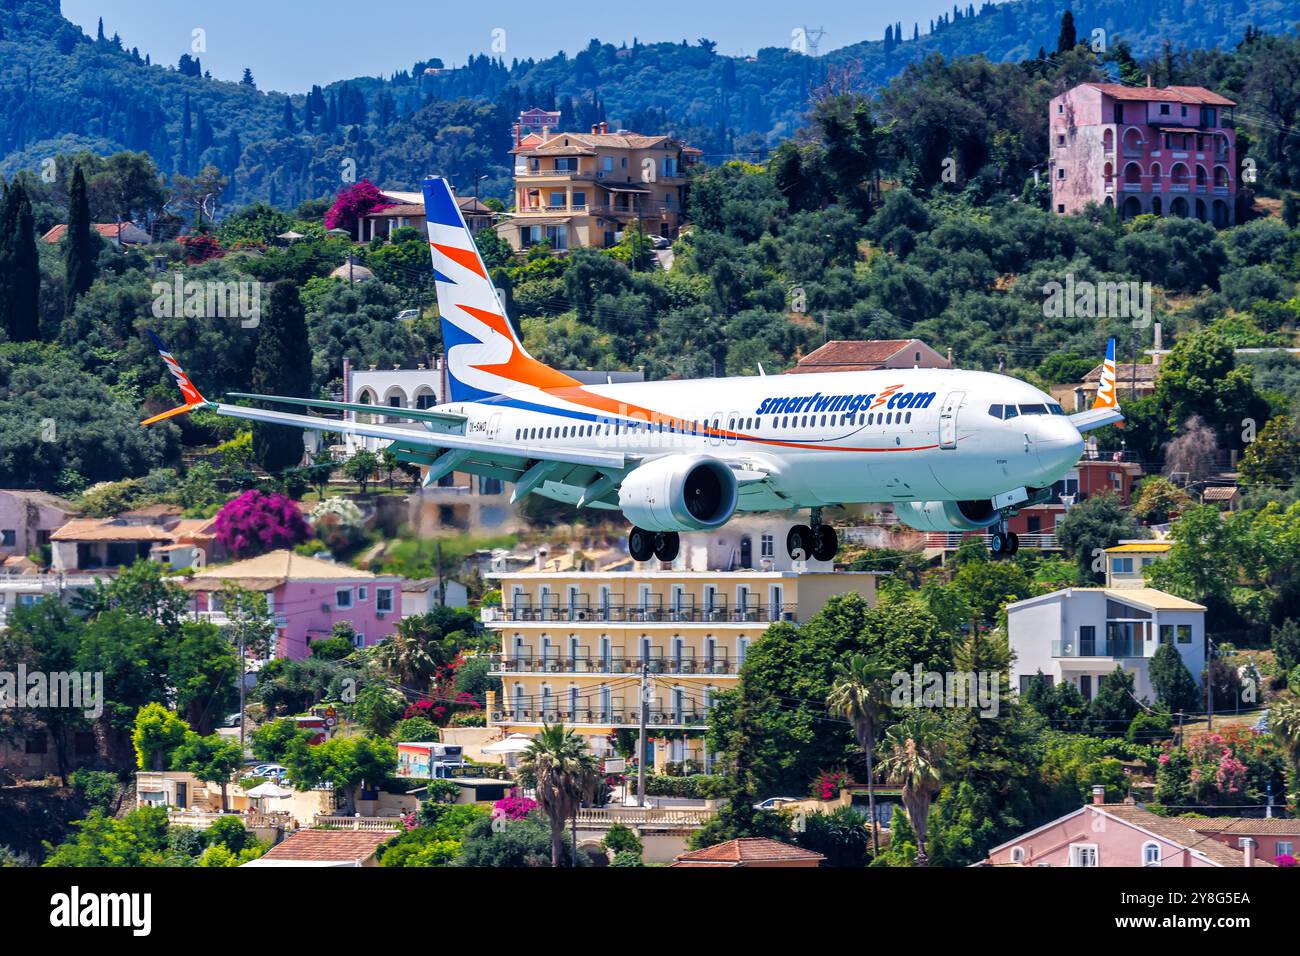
[
  {"x": 242, "y": 666},
  {"x": 643, "y": 706}
]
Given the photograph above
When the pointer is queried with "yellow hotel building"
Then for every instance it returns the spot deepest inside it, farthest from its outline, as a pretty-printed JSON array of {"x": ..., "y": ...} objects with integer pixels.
[
  {"x": 583, "y": 189},
  {"x": 574, "y": 645}
]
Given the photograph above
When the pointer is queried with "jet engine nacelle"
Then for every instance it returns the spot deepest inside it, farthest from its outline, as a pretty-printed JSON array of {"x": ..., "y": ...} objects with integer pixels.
[
  {"x": 946, "y": 515},
  {"x": 679, "y": 493}
]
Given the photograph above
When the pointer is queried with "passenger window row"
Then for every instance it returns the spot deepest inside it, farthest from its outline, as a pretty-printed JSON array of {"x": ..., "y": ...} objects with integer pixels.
[{"x": 865, "y": 419}]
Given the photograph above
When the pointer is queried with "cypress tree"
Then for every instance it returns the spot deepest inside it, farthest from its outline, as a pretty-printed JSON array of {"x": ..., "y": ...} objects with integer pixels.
[
  {"x": 1068, "y": 38},
  {"x": 80, "y": 250},
  {"x": 290, "y": 125},
  {"x": 281, "y": 365},
  {"x": 22, "y": 311}
]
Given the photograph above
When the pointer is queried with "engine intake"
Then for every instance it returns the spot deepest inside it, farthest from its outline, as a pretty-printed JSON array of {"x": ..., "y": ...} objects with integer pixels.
[
  {"x": 946, "y": 515},
  {"x": 679, "y": 493}
]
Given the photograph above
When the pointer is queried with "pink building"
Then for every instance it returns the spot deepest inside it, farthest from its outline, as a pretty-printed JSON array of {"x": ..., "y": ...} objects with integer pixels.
[
  {"x": 306, "y": 597},
  {"x": 1124, "y": 834},
  {"x": 1144, "y": 150}
]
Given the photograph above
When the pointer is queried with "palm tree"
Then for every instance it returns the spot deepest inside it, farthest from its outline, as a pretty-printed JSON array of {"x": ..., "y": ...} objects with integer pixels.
[
  {"x": 563, "y": 773},
  {"x": 859, "y": 694},
  {"x": 1284, "y": 722},
  {"x": 914, "y": 758},
  {"x": 405, "y": 654}
]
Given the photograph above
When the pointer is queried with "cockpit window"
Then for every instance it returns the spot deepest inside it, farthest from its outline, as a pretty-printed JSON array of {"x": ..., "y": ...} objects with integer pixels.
[
  {"x": 995, "y": 411},
  {"x": 1010, "y": 412},
  {"x": 1033, "y": 409},
  {"x": 1056, "y": 409}
]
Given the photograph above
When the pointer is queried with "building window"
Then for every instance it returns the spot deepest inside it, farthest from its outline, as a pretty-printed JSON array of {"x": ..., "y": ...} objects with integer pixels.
[
  {"x": 8, "y": 537},
  {"x": 766, "y": 546},
  {"x": 1121, "y": 565},
  {"x": 1184, "y": 633},
  {"x": 343, "y": 599},
  {"x": 1151, "y": 854},
  {"x": 1083, "y": 854},
  {"x": 1284, "y": 848},
  {"x": 363, "y": 593},
  {"x": 1164, "y": 109},
  {"x": 1166, "y": 633},
  {"x": 1017, "y": 854},
  {"x": 383, "y": 600},
  {"x": 579, "y": 199},
  {"x": 1060, "y": 172}
]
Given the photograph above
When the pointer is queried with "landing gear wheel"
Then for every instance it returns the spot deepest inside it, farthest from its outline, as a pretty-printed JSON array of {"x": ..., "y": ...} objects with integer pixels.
[
  {"x": 1013, "y": 542},
  {"x": 667, "y": 545},
  {"x": 641, "y": 545},
  {"x": 826, "y": 543},
  {"x": 999, "y": 544},
  {"x": 799, "y": 542}
]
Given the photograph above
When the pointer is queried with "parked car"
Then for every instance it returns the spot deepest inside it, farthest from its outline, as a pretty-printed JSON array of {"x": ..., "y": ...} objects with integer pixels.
[
  {"x": 407, "y": 315},
  {"x": 775, "y": 803},
  {"x": 269, "y": 770},
  {"x": 232, "y": 720}
]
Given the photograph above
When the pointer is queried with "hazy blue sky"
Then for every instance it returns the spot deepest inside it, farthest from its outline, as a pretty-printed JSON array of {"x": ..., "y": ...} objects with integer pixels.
[{"x": 291, "y": 45}]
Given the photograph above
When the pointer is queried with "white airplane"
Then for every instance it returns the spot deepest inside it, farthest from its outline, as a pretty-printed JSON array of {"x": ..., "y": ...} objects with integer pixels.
[{"x": 952, "y": 450}]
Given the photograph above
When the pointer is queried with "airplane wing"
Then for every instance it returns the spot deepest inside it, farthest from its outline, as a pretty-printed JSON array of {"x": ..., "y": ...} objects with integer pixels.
[{"x": 584, "y": 476}]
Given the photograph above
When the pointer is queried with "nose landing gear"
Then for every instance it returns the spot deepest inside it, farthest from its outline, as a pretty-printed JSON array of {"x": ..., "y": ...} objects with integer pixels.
[
  {"x": 643, "y": 545},
  {"x": 818, "y": 541}
]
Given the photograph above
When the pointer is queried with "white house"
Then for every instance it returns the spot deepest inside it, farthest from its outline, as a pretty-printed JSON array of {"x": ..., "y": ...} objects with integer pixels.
[{"x": 1079, "y": 635}]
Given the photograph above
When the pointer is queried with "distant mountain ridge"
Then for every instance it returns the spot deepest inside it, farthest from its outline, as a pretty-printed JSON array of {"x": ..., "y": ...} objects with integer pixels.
[{"x": 63, "y": 91}]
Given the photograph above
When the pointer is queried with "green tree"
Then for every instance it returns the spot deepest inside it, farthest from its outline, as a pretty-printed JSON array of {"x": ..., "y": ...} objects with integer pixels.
[
  {"x": 203, "y": 671},
  {"x": 1173, "y": 683},
  {"x": 158, "y": 733},
  {"x": 361, "y": 467},
  {"x": 213, "y": 759},
  {"x": 1066, "y": 40},
  {"x": 915, "y": 754},
  {"x": 1273, "y": 458},
  {"x": 80, "y": 243},
  {"x": 563, "y": 773},
  {"x": 20, "y": 273},
  {"x": 1286, "y": 644},
  {"x": 1113, "y": 707},
  {"x": 345, "y": 762},
  {"x": 272, "y": 740},
  {"x": 1092, "y": 526},
  {"x": 281, "y": 366},
  {"x": 859, "y": 694}
]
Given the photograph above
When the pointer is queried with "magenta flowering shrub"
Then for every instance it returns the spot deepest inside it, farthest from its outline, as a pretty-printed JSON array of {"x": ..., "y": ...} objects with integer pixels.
[
  {"x": 1233, "y": 767},
  {"x": 255, "y": 523},
  {"x": 828, "y": 783},
  {"x": 1284, "y": 859},
  {"x": 513, "y": 807},
  {"x": 352, "y": 203}
]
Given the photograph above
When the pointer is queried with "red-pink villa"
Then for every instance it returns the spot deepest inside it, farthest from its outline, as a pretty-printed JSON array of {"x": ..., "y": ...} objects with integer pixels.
[
  {"x": 306, "y": 597},
  {"x": 1144, "y": 150}
]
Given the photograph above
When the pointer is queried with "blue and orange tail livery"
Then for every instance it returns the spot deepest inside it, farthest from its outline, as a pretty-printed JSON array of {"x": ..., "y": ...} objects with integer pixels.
[
  {"x": 193, "y": 397},
  {"x": 484, "y": 356},
  {"x": 1106, "y": 395}
]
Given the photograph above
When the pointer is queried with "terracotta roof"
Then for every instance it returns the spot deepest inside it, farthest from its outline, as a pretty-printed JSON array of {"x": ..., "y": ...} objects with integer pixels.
[
  {"x": 130, "y": 232},
  {"x": 1182, "y": 831},
  {"x": 274, "y": 569},
  {"x": 1146, "y": 373},
  {"x": 1246, "y": 826},
  {"x": 1218, "y": 493},
  {"x": 107, "y": 529},
  {"x": 1191, "y": 95},
  {"x": 748, "y": 850},
  {"x": 590, "y": 140},
  {"x": 41, "y": 498},
  {"x": 337, "y": 846},
  {"x": 157, "y": 510},
  {"x": 401, "y": 209},
  {"x": 851, "y": 355}
]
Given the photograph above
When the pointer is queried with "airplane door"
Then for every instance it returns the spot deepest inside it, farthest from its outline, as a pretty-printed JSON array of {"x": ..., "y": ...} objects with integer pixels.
[
  {"x": 493, "y": 425},
  {"x": 948, "y": 420}
]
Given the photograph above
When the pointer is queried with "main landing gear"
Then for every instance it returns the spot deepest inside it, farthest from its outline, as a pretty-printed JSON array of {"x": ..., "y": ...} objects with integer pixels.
[
  {"x": 644, "y": 545},
  {"x": 1003, "y": 543},
  {"x": 817, "y": 540}
]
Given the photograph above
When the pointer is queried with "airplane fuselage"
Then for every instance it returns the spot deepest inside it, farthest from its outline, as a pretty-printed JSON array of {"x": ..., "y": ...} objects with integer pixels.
[{"x": 828, "y": 438}]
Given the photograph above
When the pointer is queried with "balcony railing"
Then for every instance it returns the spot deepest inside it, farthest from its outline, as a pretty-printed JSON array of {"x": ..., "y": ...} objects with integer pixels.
[
  {"x": 952, "y": 539},
  {"x": 1097, "y": 647},
  {"x": 618, "y": 716},
  {"x": 567, "y": 173},
  {"x": 528, "y": 664},
  {"x": 645, "y": 816},
  {"x": 644, "y": 613}
]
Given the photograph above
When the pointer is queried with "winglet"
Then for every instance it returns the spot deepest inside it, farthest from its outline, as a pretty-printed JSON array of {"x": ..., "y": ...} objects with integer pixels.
[{"x": 193, "y": 397}]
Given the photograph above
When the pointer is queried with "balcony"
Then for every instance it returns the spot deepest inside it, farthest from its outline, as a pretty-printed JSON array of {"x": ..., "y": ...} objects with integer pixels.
[
  {"x": 644, "y": 613},
  {"x": 1097, "y": 648},
  {"x": 617, "y": 717},
  {"x": 554, "y": 174},
  {"x": 951, "y": 540},
  {"x": 618, "y": 664}
]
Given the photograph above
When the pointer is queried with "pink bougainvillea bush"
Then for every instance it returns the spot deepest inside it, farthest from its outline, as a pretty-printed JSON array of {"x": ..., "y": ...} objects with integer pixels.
[
  {"x": 200, "y": 247},
  {"x": 513, "y": 807},
  {"x": 1232, "y": 767},
  {"x": 255, "y": 523},
  {"x": 352, "y": 203}
]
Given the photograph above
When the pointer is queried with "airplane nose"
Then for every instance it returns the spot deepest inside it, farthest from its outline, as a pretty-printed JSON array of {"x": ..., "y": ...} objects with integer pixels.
[{"x": 1057, "y": 443}]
